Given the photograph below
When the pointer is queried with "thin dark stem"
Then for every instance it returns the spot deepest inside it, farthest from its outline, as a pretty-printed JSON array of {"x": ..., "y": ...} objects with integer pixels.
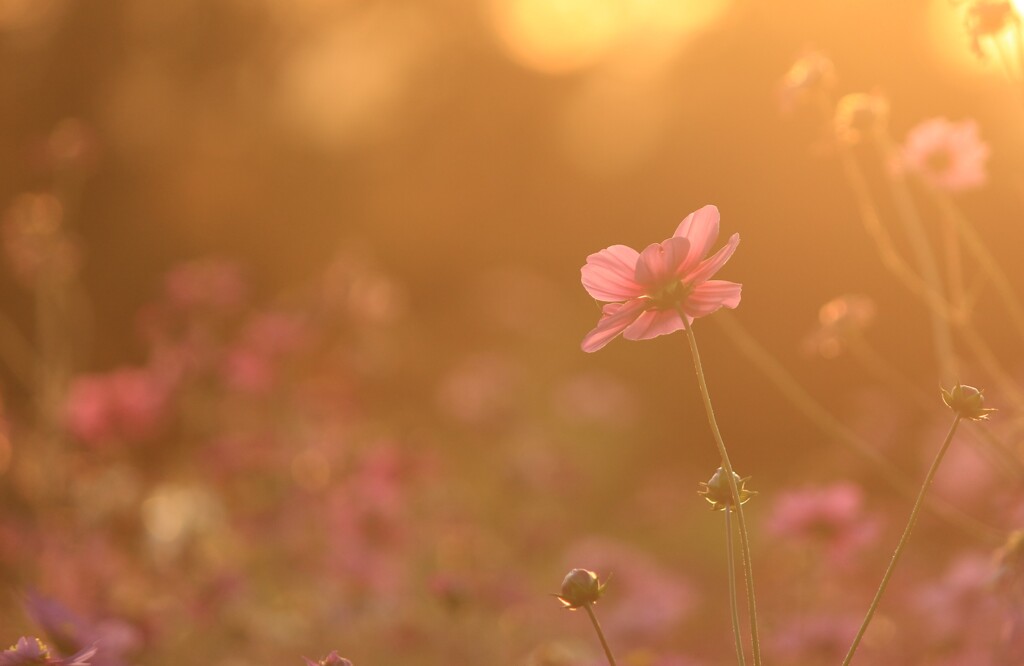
[
  {"x": 600, "y": 634},
  {"x": 748, "y": 569},
  {"x": 733, "y": 600},
  {"x": 816, "y": 413},
  {"x": 903, "y": 541}
]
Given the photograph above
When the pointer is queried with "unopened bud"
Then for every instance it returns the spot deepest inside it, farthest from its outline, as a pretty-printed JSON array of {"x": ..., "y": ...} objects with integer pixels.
[
  {"x": 333, "y": 659},
  {"x": 580, "y": 588},
  {"x": 860, "y": 115},
  {"x": 967, "y": 401},
  {"x": 718, "y": 493}
]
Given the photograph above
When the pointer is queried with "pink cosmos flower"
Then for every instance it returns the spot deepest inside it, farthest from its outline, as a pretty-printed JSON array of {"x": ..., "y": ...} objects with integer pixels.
[
  {"x": 946, "y": 155},
  {"x": 833, "y": 517},
  {"x": 648, "y": 293}
]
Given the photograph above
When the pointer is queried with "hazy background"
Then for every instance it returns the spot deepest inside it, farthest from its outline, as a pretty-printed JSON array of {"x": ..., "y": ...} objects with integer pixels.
[{"x": 477, "y": 152}]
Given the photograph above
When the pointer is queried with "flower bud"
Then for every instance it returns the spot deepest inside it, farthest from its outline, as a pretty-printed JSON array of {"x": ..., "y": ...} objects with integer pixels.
[
  {"x": 718, "y": 493},
  {"x": 812, "y": 74},
  {"x": 859, "y": 116},
  {"x": 580, "y": 588},
  {"x": 967, "y": 401},
  {"x": 333, "y": 659}
]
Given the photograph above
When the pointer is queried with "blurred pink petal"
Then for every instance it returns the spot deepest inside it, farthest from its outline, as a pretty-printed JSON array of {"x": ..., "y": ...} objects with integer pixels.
[
  {"x": 615, "y": 317},
  {"x": 609, "y": 274},
  {"x": 652, "y": 323},
  {"x": 946, "y": 155},
  {"x": 701, "y": 229},
  {"x": 711, "y": 296},
  {"x": 661, "y": 262}
]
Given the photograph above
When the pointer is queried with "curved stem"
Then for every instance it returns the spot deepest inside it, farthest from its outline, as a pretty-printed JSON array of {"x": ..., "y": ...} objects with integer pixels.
[
  {"x": 600, "y": 634},
  {"x": 748, "y": 570},
  {"x": 816, "y": 413},
  {"x": 925, "y": 256},
  {"x": 986, "y": 261},
  {"x": 903, "y": 541},
  {"x": 733, "y": 600}
]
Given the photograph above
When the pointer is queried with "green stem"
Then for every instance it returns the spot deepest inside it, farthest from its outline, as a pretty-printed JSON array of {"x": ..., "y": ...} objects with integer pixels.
[
  {"x": 733, "y": 600},
  {"x": 903, "y": 541},
  {"x": 986, "y": 261},
  {"x": 816, "y": 413},
  {"x": 600, "y": 634},
  {"x": 925, "y": 256},
  {"x": 748, "y": 570}
]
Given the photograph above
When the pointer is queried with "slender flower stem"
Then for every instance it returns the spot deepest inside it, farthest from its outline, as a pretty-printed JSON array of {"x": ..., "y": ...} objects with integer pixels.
[
  {"x": 927, "y": 265},
  {"x": 986, "y": 261},
  {"x": 748, "y": 570},
  {"x": 816, "y": 413},
  {"x": 733, "y": 600},
  {"x": 903, "y": 540},
  {"x": 600, "y": 634}
]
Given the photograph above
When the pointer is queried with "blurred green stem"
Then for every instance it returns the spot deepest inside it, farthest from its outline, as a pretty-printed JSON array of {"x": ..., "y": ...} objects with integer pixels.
[
  {"x": 791, "y": 389},
  {"x": 734, "y": 490},
  {"x": 600, "y": 634},
  {"x": 903, "y": 541},
  {"x": 924, "y": 255},
  {"x": 733, "y": 599}
]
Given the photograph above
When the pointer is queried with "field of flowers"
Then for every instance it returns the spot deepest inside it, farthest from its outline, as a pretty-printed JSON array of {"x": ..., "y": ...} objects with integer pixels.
[{"x": 512, "y": 332}]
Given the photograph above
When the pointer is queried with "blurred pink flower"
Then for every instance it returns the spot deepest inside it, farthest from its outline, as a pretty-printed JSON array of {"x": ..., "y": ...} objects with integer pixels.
[
  {"x": 30, "y": 651},
  {"x": 128, "y": 403},
  {"x": 650, "y": 601},
  {"x": 833, "y": 517},
  {"x": 36, "y": 240},
  {"x": 813, "y": 74},
  {"x": 840, "y": 322},
  {"x": 946, "y": 155},
  {"x": 814, "y": 639},
  {"x": 646, "y": 290},
  {"x": 206, "y": 284},
  {"x": 333, "y": 659}
]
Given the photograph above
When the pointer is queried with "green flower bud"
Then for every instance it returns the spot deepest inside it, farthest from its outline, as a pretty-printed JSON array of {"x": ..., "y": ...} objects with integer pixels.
[
  {"x": 967, "y": 401},
  {"x": 580, "y": 588},
  {"x": 718, "y": 493}
]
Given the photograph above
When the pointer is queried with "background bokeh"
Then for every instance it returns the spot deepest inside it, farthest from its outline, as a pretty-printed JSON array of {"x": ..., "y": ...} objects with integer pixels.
[{"x": 443, "y": 168}]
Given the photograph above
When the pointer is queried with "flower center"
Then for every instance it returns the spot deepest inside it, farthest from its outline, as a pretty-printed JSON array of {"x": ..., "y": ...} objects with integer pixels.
[
  {"x": 939, "y": 161},
  {"x": 670, "y": 295}
]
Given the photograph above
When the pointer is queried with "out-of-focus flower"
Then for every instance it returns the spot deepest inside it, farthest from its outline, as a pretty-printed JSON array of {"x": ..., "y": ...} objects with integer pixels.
[
  {"x": 71, "y": 145},
  {"x": 832, "y": 517},
  {"x": 333, "y": 659},
  {"x": 946, "y": 155},
  {"x": 649, "y": 292},
  {"x": 813, "y": 74},
  {"x": 595, "y": 398},
  {"x": 988, "y": 18},
  {"x": 967, "y": 401},
  {"x": 480, "y": 388},
  {"x": 718, "y": 493},
  {"x": 821, "y": 638},
  {"x": 36, "y": 241},
  {"x": 956, "y": 598},
  {"x": 29, "y": 651},
  {"x": 840, "y": 321},
  {"x": 128, "y": 403},
  {"x": 72, "y": 634},
  {"x": 580, "y": 587},
  {"x": 650, "y": 601},
  {"x": 206, "y": 284},
  {"x": 859, "y": 116},
  {"x": 253, "y": 365}
]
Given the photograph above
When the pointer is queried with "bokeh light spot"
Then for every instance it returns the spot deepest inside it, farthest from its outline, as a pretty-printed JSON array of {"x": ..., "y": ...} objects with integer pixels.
[{"x": 556, "y": 36}]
